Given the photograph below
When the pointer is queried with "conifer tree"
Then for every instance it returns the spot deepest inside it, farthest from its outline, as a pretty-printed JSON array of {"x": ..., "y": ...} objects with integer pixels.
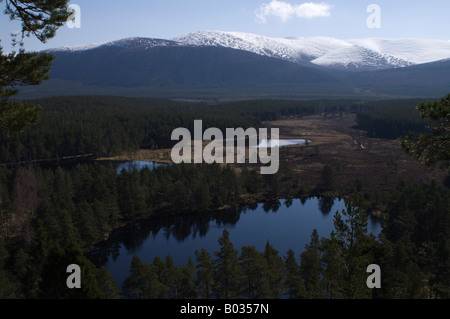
[
  {"x": 347, "y": 252},
  {"x": 159, "y": 269},
  {"x": 7, "y": 287},
  {"x": 172, "y": 278},
  {"x": 107, "y": 284},
  {"x": 311, "y": 266},
  {"x": 54, "y": 275},
  {"x": 187, "y": 283},
  {"x": 205, "y": 273},
  {"x": 434, "y": 146},
  {"x": 227, "y": 281},
  {"x": 134, "y": 286},
  {"x": 440, "y": 274},
  {"x": 253, "y": 268},
  {"x": 292, "y": 281},
  {"x": 274, "y": 271},
  {"x": 40, "y": 19}
]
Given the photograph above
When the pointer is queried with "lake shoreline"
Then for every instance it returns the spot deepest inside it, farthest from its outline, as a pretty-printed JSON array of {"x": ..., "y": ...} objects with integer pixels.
[
  {"x": 167, "y": 212},
  {"x": 286, "y": 224}
]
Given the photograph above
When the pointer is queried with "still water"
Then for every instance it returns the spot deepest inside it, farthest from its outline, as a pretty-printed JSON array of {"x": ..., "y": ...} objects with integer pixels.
[
  {"x": 286, "y": 224},
  {"x": 279, "y": 143},
  {"x": 139, "y": 165}
]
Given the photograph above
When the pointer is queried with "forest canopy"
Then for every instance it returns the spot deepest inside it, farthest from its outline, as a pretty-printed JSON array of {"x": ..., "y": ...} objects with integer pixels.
[{"x": 106, "y": 126}]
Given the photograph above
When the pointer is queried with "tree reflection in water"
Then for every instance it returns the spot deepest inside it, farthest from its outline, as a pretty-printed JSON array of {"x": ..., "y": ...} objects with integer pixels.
[
  {"x": 184, "y": 226},
  {"x": 326, "y": 204},
  {"x": 178, "y": 227}
]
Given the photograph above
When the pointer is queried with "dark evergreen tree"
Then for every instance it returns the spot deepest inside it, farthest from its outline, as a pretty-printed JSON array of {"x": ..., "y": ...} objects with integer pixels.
[
  {"x": 328, "y": 177},
  {"x": 347, "y": 252},
  {"x": 433, "y": 146},
  {"x": 8, "y": 288},
  {"x": 159, "y": 269},
  {"x": 172, "y": 278},
  {"x": 253, "y": 268},
  {"x": 205, "y": 274},
  {"x": 292, "y": 280},
  {"x": 311, "y": 267},
  {"x": 40, "y": 19},
  {"x": 440, "y": 269},
  {"x": 187, "y": 283},
  {"x": 54, "y": 275},
  {"x": 107, "y": 284},
  {"x": 274, "y": 271},
  {"x": 227, "y": 280},
  {"x": 136, "y": 285}
]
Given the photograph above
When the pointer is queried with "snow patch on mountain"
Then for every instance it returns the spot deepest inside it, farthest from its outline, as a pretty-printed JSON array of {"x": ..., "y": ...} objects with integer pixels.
[
  {"x": 293, "y": 50},
  {"x": 356, "y": 54},
  {"x": 131, "y": 43},
  {"x": 128, "y": 43},
  {"x": 75, "y": 48},
  {"x": 358, "y": 58},
  {"x": 416, "y": 51}
]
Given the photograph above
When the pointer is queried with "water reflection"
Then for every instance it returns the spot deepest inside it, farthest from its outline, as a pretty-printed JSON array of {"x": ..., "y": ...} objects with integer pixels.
[
  {"x": 303, "y": 200},
  {"x": 186, "y": 226},
  {"x": 272, "y": 206},
  {"x": 139, "y": 165},
  {"x": 326, "y": 204},
  {"x": 286, "y": 223},
  {"x": 177, "y": 227},
  {"x": 280, "y": 143},
  {"x": 288, "y": 202}
]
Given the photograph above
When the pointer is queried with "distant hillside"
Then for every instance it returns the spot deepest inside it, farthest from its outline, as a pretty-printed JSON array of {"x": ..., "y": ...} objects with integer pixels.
[
  {"x": 186, "y": 66},
  {"x": 430, "y": 79},
  {"x": 146, "y": 67}
]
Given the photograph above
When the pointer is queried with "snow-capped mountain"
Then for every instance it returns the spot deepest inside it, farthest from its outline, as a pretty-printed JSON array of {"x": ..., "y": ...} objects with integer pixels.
[
  {"x": 236, "y": 64},
  {"x": 355, "y": 54},
  {"x": 367, "y": 54},
  {"x": 357, "y": 58},
  {"x": 128, "y": 43},
  {"x": 417, "y": 51},
  {"x": 292, "y": 50}
]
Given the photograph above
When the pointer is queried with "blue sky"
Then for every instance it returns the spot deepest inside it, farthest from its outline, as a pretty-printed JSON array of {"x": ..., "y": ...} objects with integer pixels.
[{"x": 103, "y": 21}]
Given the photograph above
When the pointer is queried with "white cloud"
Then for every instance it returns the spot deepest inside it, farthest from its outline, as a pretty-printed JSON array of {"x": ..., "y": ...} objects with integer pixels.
[
  {"x": 286, "y": 11},
  {"x": 311, "y": 10}
]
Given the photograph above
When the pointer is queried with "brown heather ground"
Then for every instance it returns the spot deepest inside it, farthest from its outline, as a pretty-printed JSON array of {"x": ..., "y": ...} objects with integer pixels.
[{"x": 379, "y": 164}]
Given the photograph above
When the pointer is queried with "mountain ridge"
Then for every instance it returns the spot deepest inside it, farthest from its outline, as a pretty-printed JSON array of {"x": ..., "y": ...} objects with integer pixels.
[
  {"x": 389, "y": 53},
  {"x": 364, "y": 54},
  {"x": 223, "y": 67}
]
